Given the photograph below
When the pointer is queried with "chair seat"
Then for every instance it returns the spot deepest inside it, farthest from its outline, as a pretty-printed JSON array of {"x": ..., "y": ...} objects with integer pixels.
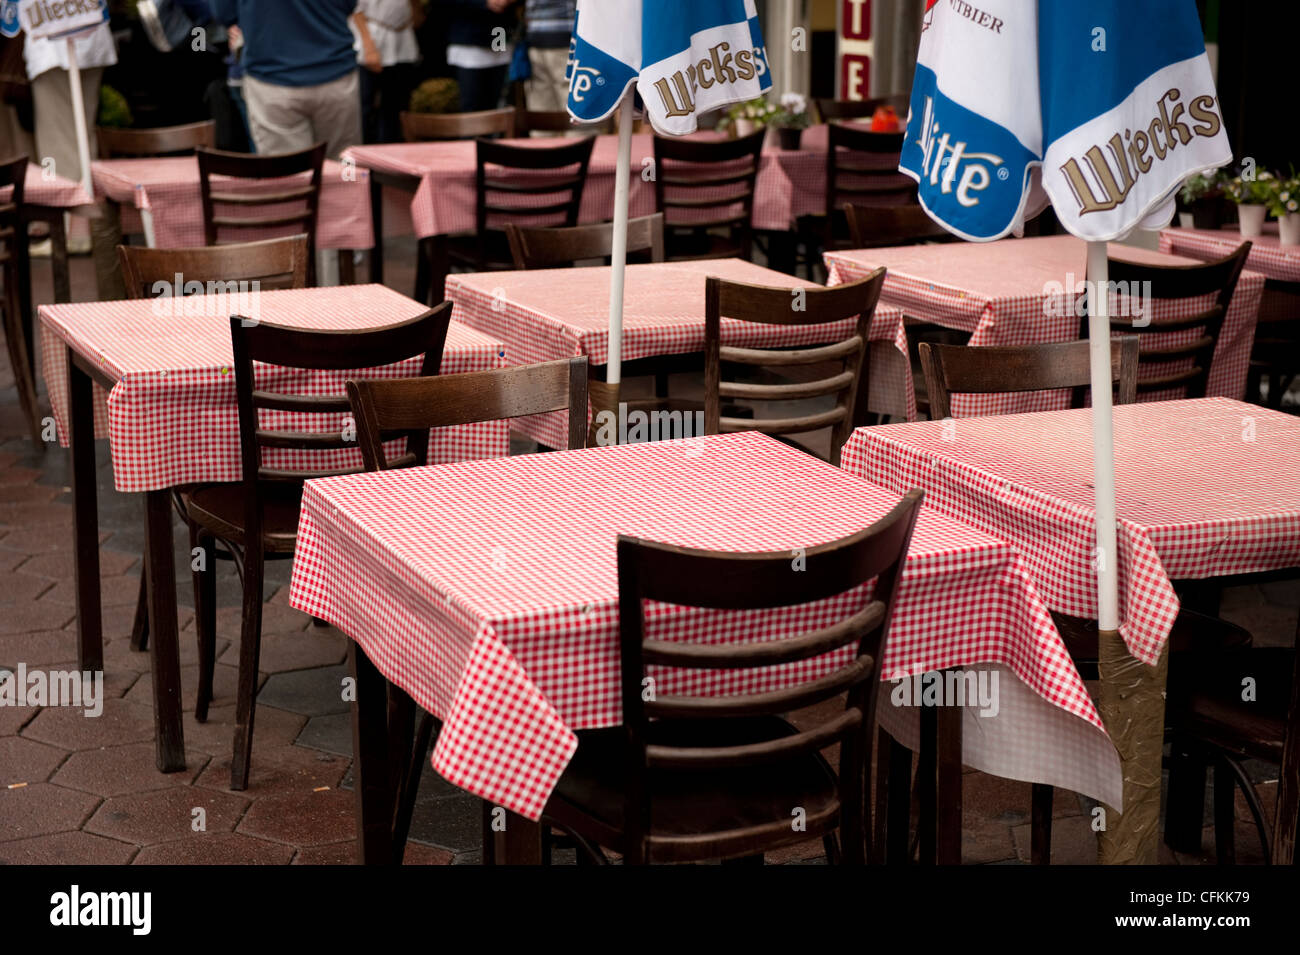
[
  {"x": 1212, "y": 709},
  {"x": 464, "y": 249},
  {"x": 219, "y": 508},
  {"x": 589, "y": 797}
]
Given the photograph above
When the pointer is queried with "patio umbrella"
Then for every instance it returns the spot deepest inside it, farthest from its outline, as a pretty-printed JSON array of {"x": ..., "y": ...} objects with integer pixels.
[
  {"x": 684, "y": 58},
  {"x": 1101, "y": 109}
]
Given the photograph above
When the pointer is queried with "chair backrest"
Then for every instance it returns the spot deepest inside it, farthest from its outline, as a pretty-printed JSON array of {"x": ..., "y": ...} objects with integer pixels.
[
  {"x": 554, "y": 121},
  {"x": 785, "y": 306},
  {"x": 737, "y": 581},
  {"x": 863, "y": 166},
  {"x": 1179, "y": 355},
  {"x": 961, "y": 369},
  {"x": 159, "y": 141},
  {"x": 314, "y": 350},
  {"x": 702, "y": 185},
  {"x": 409, "y": 407},
  {"x": 543, "y": 248},
  {"x": 833, "y": 109},
  {"x": 13, "y": 238},
  {"x": 425, "y": 127},
  {"x": 556, "y": 194},
  {"x": 880, "y": 226},
  {"x": 295, "y": 204},
  {"x": 271, "y": 264}
]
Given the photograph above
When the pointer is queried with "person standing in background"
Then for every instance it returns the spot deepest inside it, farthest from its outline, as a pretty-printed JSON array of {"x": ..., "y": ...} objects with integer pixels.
[
  {"x": 479, "y": 48},
  {"x": 300, "y": 72},
  {"x": 55, "y": 124},
  {"x": 549, "y": 24},
  {"x": 388, "y": 51}
]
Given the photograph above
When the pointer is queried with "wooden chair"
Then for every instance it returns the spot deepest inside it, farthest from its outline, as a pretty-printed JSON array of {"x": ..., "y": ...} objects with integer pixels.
[
  {"x": 705, "y": 189},
  {"x": 426, "y": 127},
  {"x": 159, "y": 141},
  {"x": 256, "y": 519},
  {"x": 880, "y": 226},
  {"x": 831, "y": 110},
  {"x": 688, "y": 778},
  {"x": 1275, "y": 355},
  {"x": 960, "y": 369},
  {"x": 271, "y": 263},
  {"x": 523, "y": 183},
  {"x": 1185, "y": 365},
  {"x": 776, "y": 306},
  {"x": 1210, "y": 721},
  {"x": 294, "y": 204},
  {"x": 13, "y": 271},
  {"x": 543, "y": 248}
]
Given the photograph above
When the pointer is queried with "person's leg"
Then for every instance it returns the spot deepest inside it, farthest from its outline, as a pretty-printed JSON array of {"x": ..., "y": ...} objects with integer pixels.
[
  {"x": 55, "y": 136},
  {"x": 396, "y": 83},
  {"x": 547, "y": 90},
  {"x": 481, "y": 89},
  {"x": 277, "y": 120},
  {"x": 335, "y": 113},
  {"x": 372, "y": 85}
]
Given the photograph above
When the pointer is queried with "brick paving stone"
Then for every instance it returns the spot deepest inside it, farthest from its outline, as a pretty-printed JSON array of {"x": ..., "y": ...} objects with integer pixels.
[
  {"x": 302, "y": 819},
  {"x": 27, "y": 761},
  {"x": 1073, "y": 841},
  {"x": 217, "y": 848},
  {"x": 66, "y": 848},
  {"x": 345, "y": 853},
  {"x": 37, "y": 649},
  {"x": 271, "y": 728},
  {"x": 42, "y": 808},
  {"x": 298, "y": 650},
  {"x": 26, "y": 539},
  {"x": 69, "y": 728},
  {"x": 279, "y": 769},
  {"x": 121, "y": 770},
  {"x": 224, "y": 686},
  {"x": 453, "y": 822},
  {"x": 315, "y": 692},
  {"x": 59, "y": 565},
  {"x": 333, "y": 734},
  {"x": 166, "y": 815},
  {"x": 16, "y": 492},
  {"x": 32, "y": 614},
  {"x": 120, "y": 591}
]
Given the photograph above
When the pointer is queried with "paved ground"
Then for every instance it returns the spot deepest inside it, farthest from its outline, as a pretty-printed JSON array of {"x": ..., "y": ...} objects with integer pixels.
[{"x": 78, "y": 790}]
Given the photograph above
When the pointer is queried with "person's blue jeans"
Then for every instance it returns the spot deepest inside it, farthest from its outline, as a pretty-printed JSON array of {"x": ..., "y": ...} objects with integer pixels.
[{"x": 481, "y": 89}]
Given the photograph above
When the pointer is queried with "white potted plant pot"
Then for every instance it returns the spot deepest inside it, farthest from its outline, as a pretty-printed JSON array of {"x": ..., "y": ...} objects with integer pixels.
[
  {"x": 745, "y": 127},
  {"x": 1251, "y": 217},
  {"x": 1288, "y": 228}
]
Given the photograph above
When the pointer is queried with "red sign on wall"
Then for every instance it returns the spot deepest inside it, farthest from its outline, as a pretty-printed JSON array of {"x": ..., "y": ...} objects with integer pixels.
[{"x": 855, "y": 19}]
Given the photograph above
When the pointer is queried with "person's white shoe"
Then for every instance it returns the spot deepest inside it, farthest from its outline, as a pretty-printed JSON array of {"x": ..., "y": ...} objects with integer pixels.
[
  {"x": 41, "y": 249},
  {"x": 79, "y": 245}
]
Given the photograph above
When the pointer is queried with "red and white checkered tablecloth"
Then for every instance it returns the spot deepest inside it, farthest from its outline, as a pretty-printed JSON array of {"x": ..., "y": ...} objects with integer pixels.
[
  {"x": 1013, "y": 292},
  {"x": 1204, "y": 488},
  {"x": 169, "y": 187},
  {"x": 56, "y": 192},
  {"x": 488, "y": 592},
  {"x": 790, "y": 183},
  {"x": 172, "y": 419},
  {"x": 551, "y": 314},
  {"x": 1267, "y": 254}
]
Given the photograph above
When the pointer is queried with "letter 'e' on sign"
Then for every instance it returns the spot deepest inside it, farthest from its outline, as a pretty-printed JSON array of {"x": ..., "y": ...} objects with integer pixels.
[{"x": 58, "y": 18}]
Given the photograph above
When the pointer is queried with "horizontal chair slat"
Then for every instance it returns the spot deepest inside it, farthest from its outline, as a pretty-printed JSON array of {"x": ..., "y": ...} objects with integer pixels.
[
  {"x": 527, "y": 210},
  {"x": 733, "y": 656},
  {"x": 305, "y": 440},
  {"x": 297, "y": 477},
  {"x": 230, "y": 222},
  {"x": 688, "y": 182},
  {"x": 800, "y": 389},
  {"x": 264, "y": 198},
  {"x": 802, "y": 356},
  {"x": 769, "y": 751},
  {"x": 782, "y": 425},
  {"x": 706, "y": 203},
  {"x": 760, "y": 704},
  {"x": 307, "y": 404},
  {"x": 550, "y": 185}
]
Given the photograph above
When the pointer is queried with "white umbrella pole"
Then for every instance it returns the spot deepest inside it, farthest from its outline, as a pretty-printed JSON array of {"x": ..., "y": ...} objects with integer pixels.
[
  {"x": 1103, "y": 438},
  {"x": 618, "y": 252},
  {"x": 79, "y": 114}
]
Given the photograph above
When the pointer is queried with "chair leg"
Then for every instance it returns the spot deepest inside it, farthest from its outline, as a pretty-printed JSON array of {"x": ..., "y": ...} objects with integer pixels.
[
  {"x": 250, "y": 646},
  {"x": 1224, "y": 813},
  {"x": 140, "y": 626},
  {"x": 21, "y": 366},
  {"x": 205, "y": 617},
  {"x": 1040, "y": 838},
  {"x": 899, "y": 813},
  {"x": 1252, "y": 803},
  {"x": 423, "y": 266},
  {"x": 1185, "y": 803}
]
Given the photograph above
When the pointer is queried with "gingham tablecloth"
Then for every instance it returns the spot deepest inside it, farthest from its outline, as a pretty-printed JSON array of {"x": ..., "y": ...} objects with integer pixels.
[
  {"x": 487, "y": 590},
  {"x": 169, "y": 187},
  {"x": 56, "y": 192},
  {"x": 1204, "y": 488},
  {"x": 550, "y": 314},
  {"x": 1267, "y": 254},
  {"x": 1012, "y": 292},
  {"x": 790, "y": 183},
  {"x": 171, "y": 419}
]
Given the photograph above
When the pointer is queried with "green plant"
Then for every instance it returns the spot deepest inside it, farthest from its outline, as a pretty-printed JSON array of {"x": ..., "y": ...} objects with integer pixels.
[
  {"x": 114, "y": 111},
  {"x": 438, "y": 95},
  {"x": 1286, "y": 196},
  {"x": 1258, "y": 191},
  {"x": 757, "y": 111},
  {"x": 1205, "y": 185},
  {"x": 793, "y": 112}
]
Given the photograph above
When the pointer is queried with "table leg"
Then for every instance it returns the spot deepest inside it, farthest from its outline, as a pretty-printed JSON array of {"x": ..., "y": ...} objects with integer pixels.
[
  {"x": 59, "y": 260},
  {"x": 377, "y": 225},
  {"x": 370, "y": 769},
  {"x": 948, "y": 840},
  {"x": 164, "y": 650},
  {"x": 85, "y": 519},
  {"x": 518, "y": 843},
  {"x": 1132, "y": 705}
]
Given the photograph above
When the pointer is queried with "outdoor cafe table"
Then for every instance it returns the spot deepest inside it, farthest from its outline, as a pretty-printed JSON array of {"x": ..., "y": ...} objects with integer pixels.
[
  {"x": 1267, "y": 254},
  {"x": 1012, "y": 292},
  {"x": 437, "y": 180},
  {"x": 487, "y": 591},
  {"x": 171, "y": 420},
  {"x": 161, "y": 197},
  {"x": 1206, "y": 488},
  {"x": 551, "y": 314}
]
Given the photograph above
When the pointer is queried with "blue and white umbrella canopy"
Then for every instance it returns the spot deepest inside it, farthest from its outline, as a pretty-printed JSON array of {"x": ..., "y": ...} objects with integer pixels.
[{"x": 685, "y": 58}]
